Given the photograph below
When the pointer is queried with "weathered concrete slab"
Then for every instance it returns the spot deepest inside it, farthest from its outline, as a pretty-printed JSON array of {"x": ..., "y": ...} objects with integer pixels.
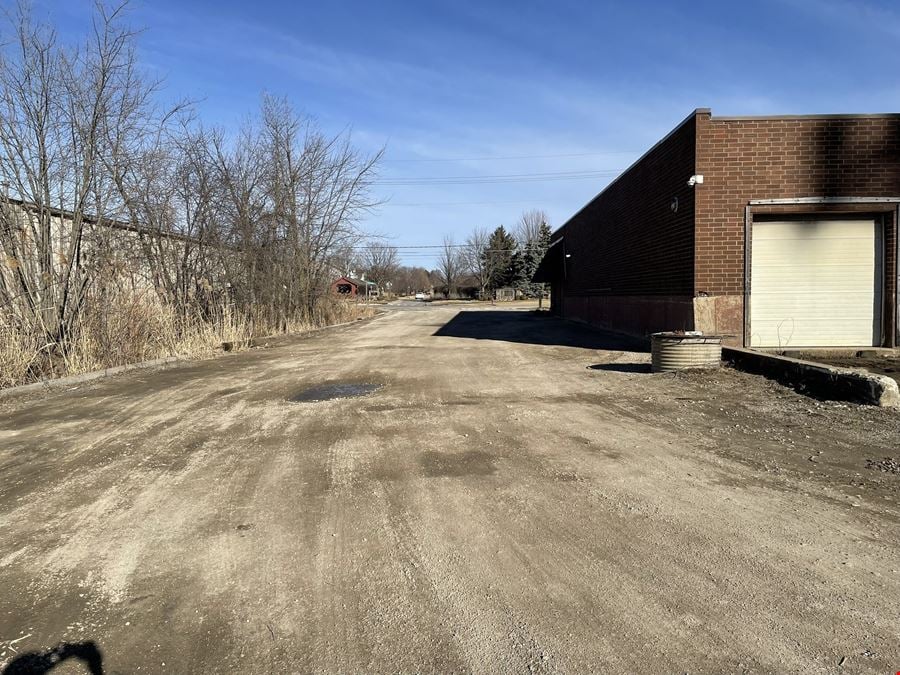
[{"x": 818, "y": 379}]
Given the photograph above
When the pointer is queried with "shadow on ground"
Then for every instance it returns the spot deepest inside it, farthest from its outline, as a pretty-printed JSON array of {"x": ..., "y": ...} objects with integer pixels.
[
  {"x": 535, "y": 328},
  {"x": 38, "y": 663},
  {"x": 622, "y": 367}
]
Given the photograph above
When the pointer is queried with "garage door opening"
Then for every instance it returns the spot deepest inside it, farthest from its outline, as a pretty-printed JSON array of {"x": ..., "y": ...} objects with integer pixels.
[{"x": 816, "y": 283}]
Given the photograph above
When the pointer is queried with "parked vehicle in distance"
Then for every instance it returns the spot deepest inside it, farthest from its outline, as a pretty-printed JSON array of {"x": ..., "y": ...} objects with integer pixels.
[{"x": 420, "y": 296}]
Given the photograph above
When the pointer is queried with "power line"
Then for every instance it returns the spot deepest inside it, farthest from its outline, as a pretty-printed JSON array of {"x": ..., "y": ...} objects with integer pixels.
[
  {"x": 499, "y": 178},
  {"x": 438, "y": 246},
  {"x": 488, "y": 158},
  {"x": 492, "y": 181},
  {"x": 422, "y": 251},
  {"x": 512, "y": 201}
]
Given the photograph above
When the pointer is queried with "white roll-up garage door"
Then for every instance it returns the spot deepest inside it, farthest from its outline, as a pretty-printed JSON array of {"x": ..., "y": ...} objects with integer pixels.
[{"x": 815, "y": 283}]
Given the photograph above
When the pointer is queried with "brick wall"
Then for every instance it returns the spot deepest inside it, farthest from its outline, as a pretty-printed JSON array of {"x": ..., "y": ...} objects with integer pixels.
[
  {"x": 633, "y": 260},
  {"x": 744, "y": 159},
  {"x": 628, "y": 241}
]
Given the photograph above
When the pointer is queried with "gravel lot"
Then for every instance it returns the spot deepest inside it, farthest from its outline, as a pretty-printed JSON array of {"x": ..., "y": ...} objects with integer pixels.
[{"x": 514, "y": 493}]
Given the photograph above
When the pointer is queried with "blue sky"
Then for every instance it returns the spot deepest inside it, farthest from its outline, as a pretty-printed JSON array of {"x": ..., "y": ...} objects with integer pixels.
[{"x": 511, "y": 87}]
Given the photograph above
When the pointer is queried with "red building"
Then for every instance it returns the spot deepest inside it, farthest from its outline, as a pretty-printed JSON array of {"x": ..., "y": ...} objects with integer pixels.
[{"x": 349, "y": 287}]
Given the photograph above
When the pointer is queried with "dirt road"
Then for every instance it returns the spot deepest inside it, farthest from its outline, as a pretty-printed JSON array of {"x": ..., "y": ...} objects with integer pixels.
[{"x": 520, "y": 494}]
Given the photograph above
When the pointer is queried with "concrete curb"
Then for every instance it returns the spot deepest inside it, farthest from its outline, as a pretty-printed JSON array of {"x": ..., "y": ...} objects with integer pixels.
[
  {"x": 65, "y": 382},
  {"x": 818, "y": 379}
]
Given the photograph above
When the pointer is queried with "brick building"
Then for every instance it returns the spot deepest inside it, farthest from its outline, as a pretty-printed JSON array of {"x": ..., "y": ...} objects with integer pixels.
[
  {"x": 350, "y": 287},
  {"x": 777, "y": 231}
]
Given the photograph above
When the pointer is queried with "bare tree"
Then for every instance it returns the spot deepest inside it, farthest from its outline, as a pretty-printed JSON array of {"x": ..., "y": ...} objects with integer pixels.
[
  {"x": 173, "y": 200},
  {"x": 528, "y": 229},
  {"x": 257, "y": 219},
  {"x": 419, "y": 280},
  {"x": 411, "y": 280},
  {"x": 476, "y": 261},
  {"x": 381, "y": 264},
  {"x": 72, "y": 120},
  {"x": 450, "y": 266},
  {"x": 294, "y": 198},
  {"x": 346, "y": 260}
]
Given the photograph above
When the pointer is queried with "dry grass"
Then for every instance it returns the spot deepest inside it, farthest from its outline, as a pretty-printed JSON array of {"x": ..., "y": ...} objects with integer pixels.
[
  {"x": 18, "y": 353},
  {"x": 124, "y": 328}
]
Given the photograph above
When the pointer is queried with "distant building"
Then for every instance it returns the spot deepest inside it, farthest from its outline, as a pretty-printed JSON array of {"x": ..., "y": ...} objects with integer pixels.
[
  {"x": 352, "y": 288},
  {"x": 130, "y": 245}
]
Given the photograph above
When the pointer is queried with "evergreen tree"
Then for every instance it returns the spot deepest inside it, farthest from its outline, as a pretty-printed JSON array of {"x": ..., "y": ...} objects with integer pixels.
[
  {"x": 540, "y": 248},
  {"x": 498, "y": 259},
  {"x": 544, "y": 239},
  {"x": 520, "y": 270}
]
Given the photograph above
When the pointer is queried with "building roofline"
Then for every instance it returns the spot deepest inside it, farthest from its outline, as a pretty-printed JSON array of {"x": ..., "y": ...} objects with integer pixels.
[
  {"x": 824, "y": 116},
  {"x": 354, "y": 281},
  {"x": 94, "y": 220},
  {"x": 723, "y": 118},
  {"x": 692, "y": 116}
]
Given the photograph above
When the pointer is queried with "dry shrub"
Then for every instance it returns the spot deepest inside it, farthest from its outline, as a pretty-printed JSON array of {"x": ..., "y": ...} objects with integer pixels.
[
  {"x": 122, "y": 327},
  {"x": 328, "y": 311},
  {"x": 331, "y": 310},
  {"x": 19, "y": 352},
  {"x": 125, "y": 328}
]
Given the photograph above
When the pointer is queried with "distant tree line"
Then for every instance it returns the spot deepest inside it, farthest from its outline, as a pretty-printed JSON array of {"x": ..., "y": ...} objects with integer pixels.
[
  {"x": 494, "y": 259},
  {"x": 486, "y": 261}
]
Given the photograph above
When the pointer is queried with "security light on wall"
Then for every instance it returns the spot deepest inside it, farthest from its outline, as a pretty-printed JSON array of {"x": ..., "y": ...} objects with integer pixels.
[{"x": 696, "y": 179}]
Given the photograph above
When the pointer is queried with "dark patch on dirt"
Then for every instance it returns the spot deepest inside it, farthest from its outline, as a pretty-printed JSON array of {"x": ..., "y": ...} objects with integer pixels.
[
  {"x": 388, "y": 407},
  {"x": 886, "y": 465},
  {"x": 388, "y": 472},
  {"x": 462, "y": 401},
  {"x": 243, "y": 527},
  {"x": 384, "y": 348},
  {"x": 566, "y": 476},
  {"x": 46, "y": 414},
  {"x": 334, "y": 390},
  {"x": 137, "y": 599},
  {"x": 471, "y": 463},
  {"x": 174, "y": 457},
  {"x": 593, "y": 447}
]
